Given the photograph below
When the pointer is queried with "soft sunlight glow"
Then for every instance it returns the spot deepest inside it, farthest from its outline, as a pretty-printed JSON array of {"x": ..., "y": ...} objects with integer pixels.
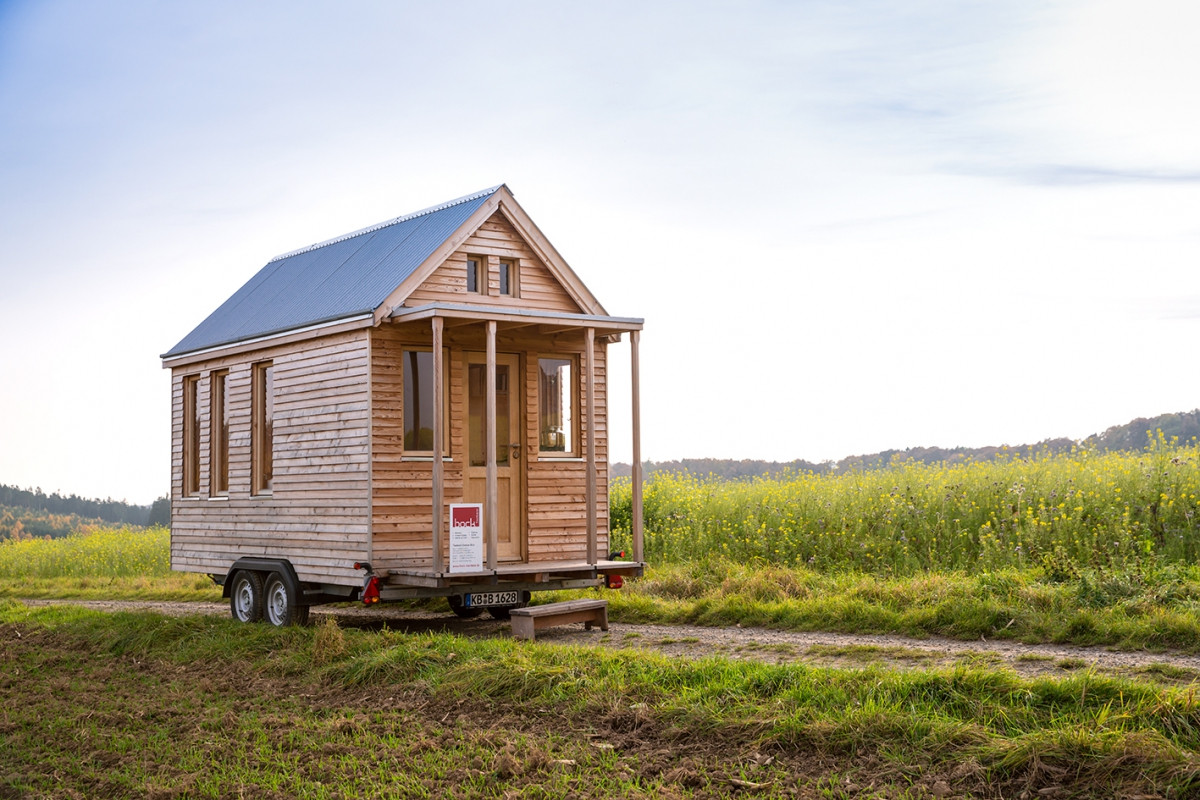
[{"x": 857, "y": 225}]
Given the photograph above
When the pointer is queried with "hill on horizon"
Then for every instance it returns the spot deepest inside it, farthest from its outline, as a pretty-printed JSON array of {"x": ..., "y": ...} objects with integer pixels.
[{"x": 1133, "y": 435}]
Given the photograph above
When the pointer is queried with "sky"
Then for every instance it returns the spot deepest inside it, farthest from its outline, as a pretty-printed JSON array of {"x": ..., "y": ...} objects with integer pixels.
[{"x": 849, "y": 225}]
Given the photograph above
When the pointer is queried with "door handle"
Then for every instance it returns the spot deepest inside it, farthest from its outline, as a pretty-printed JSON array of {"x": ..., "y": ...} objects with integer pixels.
[{"x": 516, "y": 450}]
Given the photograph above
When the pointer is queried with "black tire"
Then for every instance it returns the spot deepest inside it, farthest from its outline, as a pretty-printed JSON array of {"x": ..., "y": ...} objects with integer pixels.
[
  {"x": 465, "y": 612},
  {"x": 281, "y": 606},
  {"x": 502, "y": 613},
  {"x": 246, "y": 596}
]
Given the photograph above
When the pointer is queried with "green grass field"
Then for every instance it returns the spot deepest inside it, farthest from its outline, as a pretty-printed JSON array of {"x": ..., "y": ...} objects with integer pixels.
[
  {"x": 1080, "y": 548},
  {"x": 142, "y": 705}
]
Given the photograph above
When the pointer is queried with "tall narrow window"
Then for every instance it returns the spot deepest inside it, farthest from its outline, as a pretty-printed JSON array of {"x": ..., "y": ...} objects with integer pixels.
[
  {"x": 262, "y": 399},
  {"x": 476, "y": 278},
  {"x": 418, "y": 403},
  {"x": 218, "y": 439},
  {"x": 508, "y": 277},
  {"x": 191, "y": 436},
  {"x": 557, "y": 391}
]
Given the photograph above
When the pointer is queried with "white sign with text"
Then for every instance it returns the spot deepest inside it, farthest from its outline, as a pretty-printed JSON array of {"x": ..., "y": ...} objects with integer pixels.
[{"x": 466, "y": 537}]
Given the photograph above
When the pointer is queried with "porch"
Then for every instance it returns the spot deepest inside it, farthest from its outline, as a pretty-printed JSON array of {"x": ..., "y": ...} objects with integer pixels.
[{"x": 582, "y": 558}]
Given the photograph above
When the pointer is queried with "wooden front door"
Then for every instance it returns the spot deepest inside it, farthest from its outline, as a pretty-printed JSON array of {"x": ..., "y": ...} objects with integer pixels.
[{"x": 510, "y": 535}]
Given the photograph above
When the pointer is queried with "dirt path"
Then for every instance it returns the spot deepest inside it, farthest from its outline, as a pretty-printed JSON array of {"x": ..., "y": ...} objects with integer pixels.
[{"x": 693, "y": 641}]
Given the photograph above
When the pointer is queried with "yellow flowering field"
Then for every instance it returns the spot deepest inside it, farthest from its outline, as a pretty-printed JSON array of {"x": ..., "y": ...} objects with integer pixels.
[
  {"x": 89, "y": 553},
  {"x": 1078, "y": 509}
]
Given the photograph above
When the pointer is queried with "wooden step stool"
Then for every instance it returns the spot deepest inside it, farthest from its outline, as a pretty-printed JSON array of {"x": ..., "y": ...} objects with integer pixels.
[{"x": 527, "y": 620}]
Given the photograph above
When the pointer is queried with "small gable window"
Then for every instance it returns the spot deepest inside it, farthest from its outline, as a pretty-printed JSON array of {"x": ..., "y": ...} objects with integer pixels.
[
  {"x": 476, "y": 280},
  {"x": 508, "y": 277}
]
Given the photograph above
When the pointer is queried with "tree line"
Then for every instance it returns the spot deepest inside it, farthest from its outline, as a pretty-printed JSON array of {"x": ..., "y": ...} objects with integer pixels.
[
  {"x": 108, "y": 510},
  {"x": 1134, "y": 435}
]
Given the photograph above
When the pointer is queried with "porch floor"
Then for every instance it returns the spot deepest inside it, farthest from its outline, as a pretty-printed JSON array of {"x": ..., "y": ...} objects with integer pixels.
[{"x": 535, "y": 572}]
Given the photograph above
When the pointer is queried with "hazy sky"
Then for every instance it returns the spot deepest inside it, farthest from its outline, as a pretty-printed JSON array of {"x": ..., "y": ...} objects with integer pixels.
[{"x": 850, "y": 226}]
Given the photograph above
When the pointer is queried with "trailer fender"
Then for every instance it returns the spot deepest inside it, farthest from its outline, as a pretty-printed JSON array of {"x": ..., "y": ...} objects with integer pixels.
[{"x": 267, "y": 566}]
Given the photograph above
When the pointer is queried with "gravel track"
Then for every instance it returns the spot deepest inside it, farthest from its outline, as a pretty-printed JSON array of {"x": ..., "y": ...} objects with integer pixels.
[{"x": 693, "y": 641}]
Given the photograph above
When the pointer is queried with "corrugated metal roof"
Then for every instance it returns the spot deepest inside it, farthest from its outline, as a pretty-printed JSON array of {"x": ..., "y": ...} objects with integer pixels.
[{"x": 343, "y": 277}]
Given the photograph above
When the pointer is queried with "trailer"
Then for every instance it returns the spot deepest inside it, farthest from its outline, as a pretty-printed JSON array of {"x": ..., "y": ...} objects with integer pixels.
[{"x": 329, "y": 417}]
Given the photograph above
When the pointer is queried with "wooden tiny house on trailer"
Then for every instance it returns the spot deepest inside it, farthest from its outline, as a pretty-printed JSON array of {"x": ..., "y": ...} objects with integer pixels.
[{"x": 323, "y": 412}]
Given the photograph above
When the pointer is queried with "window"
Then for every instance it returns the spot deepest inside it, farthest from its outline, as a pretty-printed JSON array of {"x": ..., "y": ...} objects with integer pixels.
[
  {"x": 476, "y": 275},
  {"x": 262, "y": 399},
  {"x": 557, "y": 390},
  {"x": 418, "y": 402},
  {"x": 508, "y": 277},
  {"x": 219, "y": 435},
  {"x": 191, "y": 436}
]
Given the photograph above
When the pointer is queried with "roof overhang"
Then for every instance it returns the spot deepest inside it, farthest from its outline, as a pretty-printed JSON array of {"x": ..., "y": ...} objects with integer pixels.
[
  {"x": 510, "y": 314},
  {"x": 286, "y": 336}
]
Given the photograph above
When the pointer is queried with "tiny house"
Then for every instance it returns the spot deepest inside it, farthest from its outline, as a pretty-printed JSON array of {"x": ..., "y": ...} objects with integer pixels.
[{"x": 329, "y": 416}]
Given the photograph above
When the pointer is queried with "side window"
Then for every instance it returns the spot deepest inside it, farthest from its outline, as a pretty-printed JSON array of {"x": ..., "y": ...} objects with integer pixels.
[
  {"x": 191, "y": 436},
  {"x": 418, "y": 402},
  {"x": 558, "y": 389},
  {"x": 262, "y": 434},
  {"x": 218, "y": 439}
]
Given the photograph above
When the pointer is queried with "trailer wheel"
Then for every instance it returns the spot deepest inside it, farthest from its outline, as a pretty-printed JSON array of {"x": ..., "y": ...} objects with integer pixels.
[
  {"x": 281, "y": 605},
  {"x": 502, "y": 612},
  {"x": 466, "y": 612},
  {"x": 246, "y": 596}
]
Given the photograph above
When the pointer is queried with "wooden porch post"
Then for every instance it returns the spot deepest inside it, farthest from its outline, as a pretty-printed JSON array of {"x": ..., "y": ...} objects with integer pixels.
[
  {"x": 491, "y": 504},
  {"x": 589, "y": 373},
  {"x": 636, "y": 523},
  {"x": 438, "y": 433}
]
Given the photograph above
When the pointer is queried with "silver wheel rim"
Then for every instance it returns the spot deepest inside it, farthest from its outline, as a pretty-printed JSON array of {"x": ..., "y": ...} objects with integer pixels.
[
  {"x": 277, "y": 603},
  {"x": 244, "y": 598}
]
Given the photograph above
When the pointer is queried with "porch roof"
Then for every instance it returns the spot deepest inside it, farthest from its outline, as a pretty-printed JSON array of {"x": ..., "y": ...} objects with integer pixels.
[{"x": 515, "y": 314}]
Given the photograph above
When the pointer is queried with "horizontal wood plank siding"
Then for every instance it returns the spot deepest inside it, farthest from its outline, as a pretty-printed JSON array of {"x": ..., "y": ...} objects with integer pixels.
[
  {"x": 317, "y": 513},
  {"x": 536, "y": 286},
  {"x": 555, "y": 516}
]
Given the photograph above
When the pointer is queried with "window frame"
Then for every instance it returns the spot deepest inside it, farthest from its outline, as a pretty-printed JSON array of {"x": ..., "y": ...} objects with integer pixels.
[
  {"x": 481, "y": 274},
  {"x": 262, "y": 429},
  {"x": 576, "y": 450},
  {"x": 190, "y": 477},
  {"x": 513, "y": 280},
  {"x": 218, "y": 436},
  {"x": 416, "y": 454}
]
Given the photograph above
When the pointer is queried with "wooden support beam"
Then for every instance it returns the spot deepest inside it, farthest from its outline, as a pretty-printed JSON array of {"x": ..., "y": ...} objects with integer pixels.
[
  {"x": 635, "y": 390},
  {"x": 589, "y": 374},
  {"x": 491, "y": 506},
  {"x": 438, "y": 433}
]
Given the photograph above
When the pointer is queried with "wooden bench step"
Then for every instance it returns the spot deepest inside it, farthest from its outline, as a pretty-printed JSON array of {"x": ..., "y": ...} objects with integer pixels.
[{"x": 525, "y": 621}]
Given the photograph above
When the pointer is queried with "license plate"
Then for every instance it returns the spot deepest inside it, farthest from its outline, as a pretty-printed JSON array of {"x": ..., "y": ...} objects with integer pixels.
[{"x": 480, "y": 599}]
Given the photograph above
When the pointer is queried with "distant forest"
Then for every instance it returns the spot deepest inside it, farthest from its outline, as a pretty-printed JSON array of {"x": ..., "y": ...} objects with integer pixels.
[
  {"x": 55, "y": 509},
  {"x": 1131, "y": 436}
]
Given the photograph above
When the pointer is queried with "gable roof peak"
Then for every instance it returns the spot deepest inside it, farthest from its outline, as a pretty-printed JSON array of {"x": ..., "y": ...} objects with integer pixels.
[{"x": 395, "y": 221}]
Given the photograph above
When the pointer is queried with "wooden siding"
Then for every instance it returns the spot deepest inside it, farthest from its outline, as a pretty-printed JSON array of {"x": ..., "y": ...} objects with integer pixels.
[
  {"x": 537, "y": 288},
  {"x": 555, "y": 518},
  {"x": 317, "y": 514}
]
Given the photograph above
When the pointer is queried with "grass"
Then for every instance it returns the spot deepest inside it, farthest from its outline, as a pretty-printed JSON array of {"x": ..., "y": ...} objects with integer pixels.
[
  {"x": 138, "y": 704},
  {"x": 1064, "y": 513},
  {"x": 1155, "y": 608},
  {"x": 1148, "y": 606}
]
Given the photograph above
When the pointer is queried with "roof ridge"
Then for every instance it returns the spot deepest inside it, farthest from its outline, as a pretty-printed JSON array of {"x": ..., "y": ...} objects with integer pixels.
[{"x": 380, "y": 225}]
